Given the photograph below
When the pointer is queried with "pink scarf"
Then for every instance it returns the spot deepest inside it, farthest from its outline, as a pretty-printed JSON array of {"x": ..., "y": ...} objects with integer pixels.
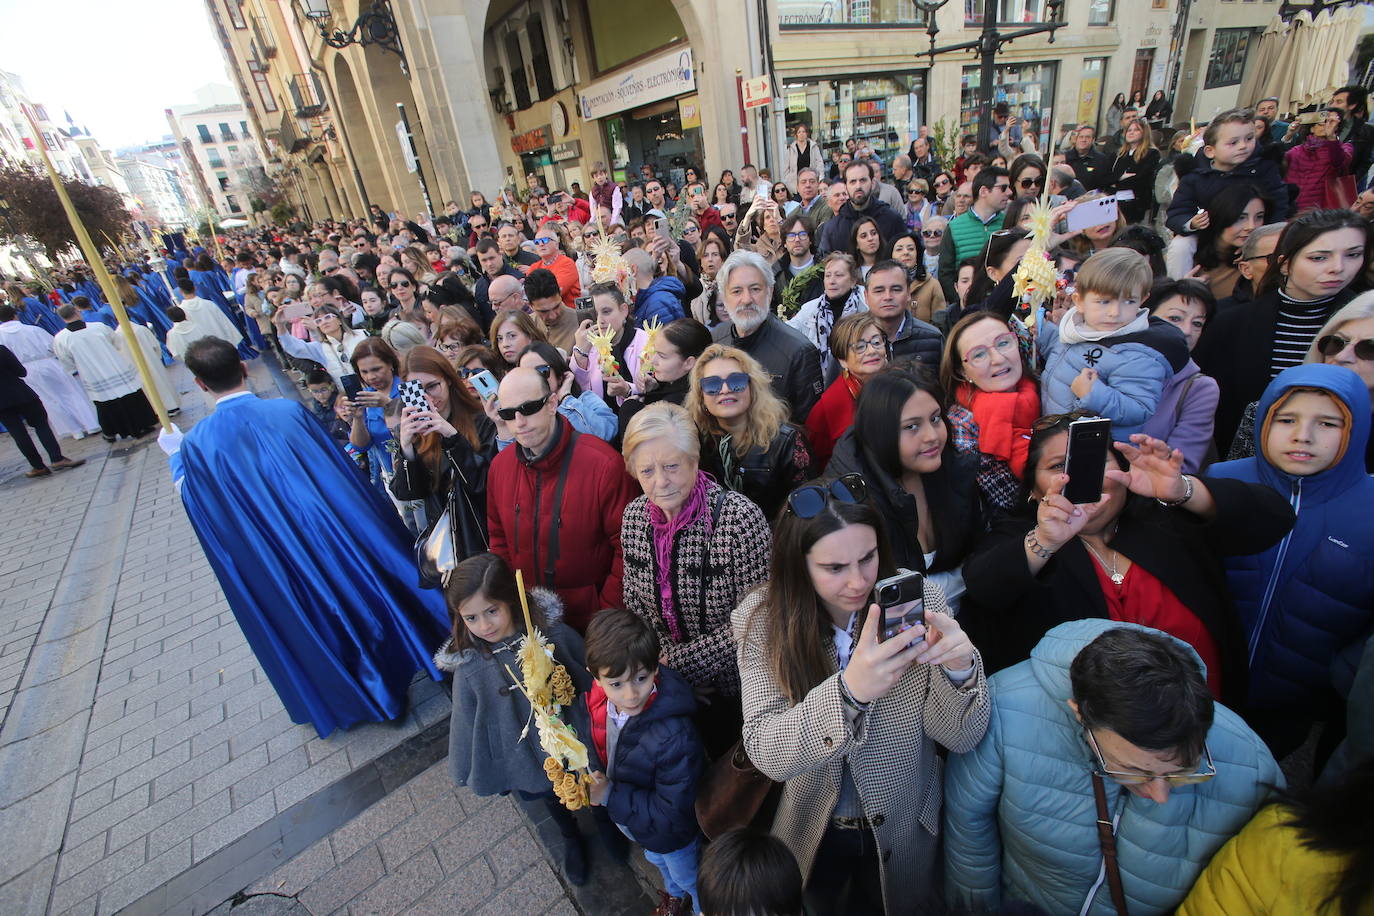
[{"x": 664, "y": 533}]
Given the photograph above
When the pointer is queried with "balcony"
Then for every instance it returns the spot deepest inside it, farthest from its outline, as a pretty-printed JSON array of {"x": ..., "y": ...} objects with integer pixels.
[
  {"x": 262, "y": 35},
  {"x": 307, "y": 95}
]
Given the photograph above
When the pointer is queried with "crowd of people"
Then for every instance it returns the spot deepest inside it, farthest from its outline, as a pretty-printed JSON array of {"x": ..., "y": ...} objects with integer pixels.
[{"x": 713, "y": 426}]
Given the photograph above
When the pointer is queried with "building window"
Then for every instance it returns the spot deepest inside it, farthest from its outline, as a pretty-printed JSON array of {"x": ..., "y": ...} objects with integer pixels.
[
  {"x": 1011, "y": 12},
  {"x": 1159, "y": 4},
  {"x": 223, "y": 180},
  {"x": 881, "y": 112},
  {"x": 235, "y": 14},
  {"x": 1100, "y": 12},
  {"x": 243, "y": 129},
  {"x": 805, "y": 14},
  {"x": 1227, "y": 64},
  {"x": 269, "y": 102},
  {"x": 1028, "y": 89},
  {"x": 225, "y": 131},
  {"x": 518, "y": 80},
  {"x": 204, "y": 132},
  {"x": 539, "y": 57},
  {"x": 214, "y": 159}
]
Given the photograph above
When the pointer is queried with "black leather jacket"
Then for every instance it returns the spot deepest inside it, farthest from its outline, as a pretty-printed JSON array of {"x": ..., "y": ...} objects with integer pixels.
[
  {"x": 791, "y": 359},
  {"x": 766, "y": 476}
]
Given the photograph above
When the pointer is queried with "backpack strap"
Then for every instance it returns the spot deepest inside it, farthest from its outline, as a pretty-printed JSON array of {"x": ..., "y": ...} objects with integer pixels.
[{"x": 556, "y": 519}]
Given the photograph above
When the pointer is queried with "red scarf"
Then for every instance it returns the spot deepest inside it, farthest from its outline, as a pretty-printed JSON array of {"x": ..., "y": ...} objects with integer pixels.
[{"x": 1004, "y": 420}]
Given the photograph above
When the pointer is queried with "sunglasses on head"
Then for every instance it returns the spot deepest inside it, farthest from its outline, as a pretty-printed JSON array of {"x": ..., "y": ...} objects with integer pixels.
[
  {"x": 529, "y": 409},
  {"x": 1334, "y": 344},
  {"x": 735, "y": 382},
  {"x": 810, "y": 501}
]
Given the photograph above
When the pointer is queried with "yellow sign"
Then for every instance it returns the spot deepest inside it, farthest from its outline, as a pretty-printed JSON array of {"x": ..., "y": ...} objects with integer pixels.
[
  {"x": 796, "y": 102},
  {"x": 689, "y": 111},
  {"x": 1087, "y": 102}
]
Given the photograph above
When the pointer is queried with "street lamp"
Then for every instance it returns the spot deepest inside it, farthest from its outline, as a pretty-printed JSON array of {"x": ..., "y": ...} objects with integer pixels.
[
  {"x": 988, "y": 43},
  {"x": 374, "y": 26}
]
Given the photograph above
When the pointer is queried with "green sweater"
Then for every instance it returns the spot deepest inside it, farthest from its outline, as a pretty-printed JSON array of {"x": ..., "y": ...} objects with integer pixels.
[{"x": 966, "y": 236}]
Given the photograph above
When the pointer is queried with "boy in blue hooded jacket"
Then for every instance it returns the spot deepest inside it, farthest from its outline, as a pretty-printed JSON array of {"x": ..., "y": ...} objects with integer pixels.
[{"x": 1310, "y": 598}]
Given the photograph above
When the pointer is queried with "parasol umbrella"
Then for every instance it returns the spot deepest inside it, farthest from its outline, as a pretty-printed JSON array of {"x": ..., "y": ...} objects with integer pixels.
[{"x": 1257, "y": 79}]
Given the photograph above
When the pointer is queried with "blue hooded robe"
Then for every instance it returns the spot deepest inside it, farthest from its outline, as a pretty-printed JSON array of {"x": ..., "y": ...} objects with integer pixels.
[
  {"x": 314, "y": 562},
  {"x": 40, "y": 313}
]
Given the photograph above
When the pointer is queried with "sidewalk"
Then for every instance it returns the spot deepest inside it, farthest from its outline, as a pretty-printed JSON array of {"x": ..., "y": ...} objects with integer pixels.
[{"x": 146, "y": 766}]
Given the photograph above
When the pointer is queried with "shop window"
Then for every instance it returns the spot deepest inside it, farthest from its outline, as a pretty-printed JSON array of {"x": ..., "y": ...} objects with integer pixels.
[
  {"x": 1227, "y": 64},
  {"x": 1028, "y": 89},
  {"x": 539, "y": 57},
  {"x": 1011, "y": 12},
  {"x": 806, "y": 14},
  {"x": 1100, "y": 12},
  {"x": 516, "y": 58},
  {"x": 883, "y": 113}
]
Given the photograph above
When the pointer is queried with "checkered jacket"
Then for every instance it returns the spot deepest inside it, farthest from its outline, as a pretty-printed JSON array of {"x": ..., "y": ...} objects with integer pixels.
[
  {"x": 996, "y": 480},
  {"x": 891, "y": 752}
]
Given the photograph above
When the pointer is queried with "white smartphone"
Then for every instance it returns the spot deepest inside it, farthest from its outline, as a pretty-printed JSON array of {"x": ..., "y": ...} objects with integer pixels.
[
  {"x": 485, "y": 383},
  {"x": 1092, "y": 213}
]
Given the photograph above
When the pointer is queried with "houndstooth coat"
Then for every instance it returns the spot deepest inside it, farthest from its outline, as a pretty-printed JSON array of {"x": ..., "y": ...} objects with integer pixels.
[{"x": 891, "y": 751}]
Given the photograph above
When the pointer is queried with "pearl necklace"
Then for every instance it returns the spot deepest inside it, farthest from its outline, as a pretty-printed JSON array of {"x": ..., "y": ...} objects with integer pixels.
[{"x": 1117, "y": 578}]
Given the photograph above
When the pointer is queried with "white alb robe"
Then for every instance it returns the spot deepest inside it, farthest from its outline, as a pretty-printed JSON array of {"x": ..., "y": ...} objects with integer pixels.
[
  {"x": 166, "y": 391},
  {"x": 106, "y": 373},
  {"x": 70, "y": 411},
  {"x": 203, "y": 319}
]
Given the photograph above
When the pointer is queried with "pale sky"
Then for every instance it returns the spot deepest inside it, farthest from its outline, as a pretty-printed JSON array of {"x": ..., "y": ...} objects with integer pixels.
[{"x": 114, "y": 64}]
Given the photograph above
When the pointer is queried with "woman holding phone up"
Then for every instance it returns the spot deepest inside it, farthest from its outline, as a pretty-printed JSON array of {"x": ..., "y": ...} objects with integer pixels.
[{"x": 1148, "y": 552}]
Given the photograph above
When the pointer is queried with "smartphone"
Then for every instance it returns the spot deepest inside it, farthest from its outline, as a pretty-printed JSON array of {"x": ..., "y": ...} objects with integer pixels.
[
  {"x": 412, "y": 394},
  {"x": 1309, "y": 118},
  {"x": 1091, "y": 213},
  {"x": 293, "y": 310},
  {"x": 351, "y": 385},
  {"x": 902, "y": 600},
  {"x": 1086, "y": 459},
  {"x": 485, "y": 383},
  {"x": 661, "y": 227},
  {"x": 582, "y": 303}
]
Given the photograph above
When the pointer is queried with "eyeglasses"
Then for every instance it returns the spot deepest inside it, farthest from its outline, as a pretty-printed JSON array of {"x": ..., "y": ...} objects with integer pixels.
[
  {"x": 543, "y": 240},
  {"x": 401, "y": 284},
  {"x": 1028, "y": 183},
  {"x": 544, "y": 370},
  {"x": 871, "y": 343},
  {"x": 529, "y": 408},
  {"x": 1335, "y": 344},
  {"x": 725, "y": 216},
  {"x": 978, "y": 357},
  {"x": 810, "y": 501},
  {"x": 466, "y": 372},
  {"x": 798, "y": 235},
  {"x": 735, "y": 382},
  {"x": 449, "y": 347},
  {"x": 1204, "y": 771},
  {"x": 932, "y": 233},
  {"x": 433, "y": 387},
  {"x": 1002, "y": 187}
]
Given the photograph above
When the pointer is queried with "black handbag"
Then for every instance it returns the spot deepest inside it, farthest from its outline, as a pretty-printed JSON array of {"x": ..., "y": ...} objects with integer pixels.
[{"x": 452, "y": 537}]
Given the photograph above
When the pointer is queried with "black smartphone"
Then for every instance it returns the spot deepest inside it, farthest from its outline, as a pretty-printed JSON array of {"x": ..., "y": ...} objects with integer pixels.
[
  {"x": 1086, "y": 459},
  {"x": 582, "y": 303},
  {"x": 903, "y": 603},
  {"x": 351, "y": 385}
]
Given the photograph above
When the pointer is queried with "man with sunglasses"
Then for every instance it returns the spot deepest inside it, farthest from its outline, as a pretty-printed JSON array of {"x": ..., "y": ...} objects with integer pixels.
[
  {"x": 967, "y": 235},
  {"x": 555, "y": 500},
  {"x": 746, "y": 284},
  {"x": 1107, "y": 778}
]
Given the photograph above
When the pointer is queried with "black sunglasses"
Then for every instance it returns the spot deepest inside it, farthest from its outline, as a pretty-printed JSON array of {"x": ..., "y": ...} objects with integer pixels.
[
  {"x": 1030, "y": 182},
  {"x": 735, "y": 382},
  {"x": 466, "y": 372},
  {"x": 400, "y": 284},
  {"x": 529, "y": 409},
  {"x": 1333, "y": 344},
  {"x": 810, "y": 501}
]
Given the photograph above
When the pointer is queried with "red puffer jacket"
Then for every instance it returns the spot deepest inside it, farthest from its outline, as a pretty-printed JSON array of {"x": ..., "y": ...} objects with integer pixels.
[
  {"x": 1309, "y": 165},
  {"x": 521, "y": 516}
]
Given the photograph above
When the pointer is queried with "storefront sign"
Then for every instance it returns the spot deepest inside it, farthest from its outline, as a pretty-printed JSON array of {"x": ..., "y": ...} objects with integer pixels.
[
  {"x": 796, "y": 102},
  {"x": 757, "y": 92},
  {"x": 531, "y": 140},
  {"x": 564, "y": 151},
  {"x": 689, "y": 112},
  {"x": 662, "y": 77}
]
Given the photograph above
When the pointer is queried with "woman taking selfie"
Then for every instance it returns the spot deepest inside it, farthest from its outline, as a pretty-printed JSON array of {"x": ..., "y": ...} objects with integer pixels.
[
  {"x": 1148, "y": 552},
  {"x": 748, "y": 445},
  {"x": 860, "y": 807}
]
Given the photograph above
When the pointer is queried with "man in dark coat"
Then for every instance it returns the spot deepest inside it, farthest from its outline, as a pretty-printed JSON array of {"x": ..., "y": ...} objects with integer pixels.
[
  {"x": 1089, "y": 166},
  {"x": 863, "y": 201}
]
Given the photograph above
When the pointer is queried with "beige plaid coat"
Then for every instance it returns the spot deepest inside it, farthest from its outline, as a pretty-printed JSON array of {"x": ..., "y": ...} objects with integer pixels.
[{"x": 891, "y": 751}]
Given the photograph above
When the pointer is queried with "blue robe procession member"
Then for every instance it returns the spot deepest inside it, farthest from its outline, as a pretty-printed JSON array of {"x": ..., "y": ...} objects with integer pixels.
[
  {"x": 93, "y": 312},
  {"x": 34, "y": 310},
  {"x": 314, "y": 562}
]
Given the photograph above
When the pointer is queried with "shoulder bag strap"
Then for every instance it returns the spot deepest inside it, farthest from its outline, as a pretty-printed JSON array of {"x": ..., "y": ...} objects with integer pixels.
[
  {"x": 1106, "y": 837},
  {"x": 716, "y": 505},
  {"x": 1183, "y": 396},
  {"x": 556, "y": 518},
  {"x": 460, "y": 485}
]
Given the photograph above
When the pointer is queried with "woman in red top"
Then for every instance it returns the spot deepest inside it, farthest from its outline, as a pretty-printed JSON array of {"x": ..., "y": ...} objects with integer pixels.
[
  {"x": 860, "y": 346},
  {"x": 549, "y": 244}
]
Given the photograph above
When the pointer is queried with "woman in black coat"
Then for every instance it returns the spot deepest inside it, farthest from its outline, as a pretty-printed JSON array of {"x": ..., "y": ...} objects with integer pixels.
[
  {"x": 926, "y": 492},
  {"x": 1134, "y": 170},
  {"x": 1128, "y": 557}
]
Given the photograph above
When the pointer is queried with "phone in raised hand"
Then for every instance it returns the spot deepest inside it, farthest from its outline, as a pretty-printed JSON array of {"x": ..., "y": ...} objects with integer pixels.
[
  {"x": 1086, "y": 459},
  {"x": 901, "y": 598}
]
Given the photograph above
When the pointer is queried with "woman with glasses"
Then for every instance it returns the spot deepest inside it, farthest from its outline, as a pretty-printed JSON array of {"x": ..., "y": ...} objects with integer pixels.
[
  {"x": 332, "y": 344},
  {"x": 585, "y": 410},
  {"x": 512, "y": 331},
  {"x": 919, "y": 206},
  {"x": 842, "y": 294},
  {"x": 455, "y": 331},
  {"x": 992, "y": 403},
  {"x": 781, "y": 196},
  {"x": 748, "y": 445},
  {"x": 1347, "y": 339},
  {"x": 925, "y": 491},
  {"x": 1027, "y": 176},
  {"x": 1149, "y": 552},
  {"x": 859, "y": 345},
  {"x": 692, "y": 550},
  {"x": 848, "y": 720},
  {"x": 1134, "y": 170},
  {"x": 407, "y": 327},
  {"x": 445, "y": 450},
  {"x": 932, "y": 235},
  {"x": 941, "y": 187},
  {"x": 471, "y": 360}
]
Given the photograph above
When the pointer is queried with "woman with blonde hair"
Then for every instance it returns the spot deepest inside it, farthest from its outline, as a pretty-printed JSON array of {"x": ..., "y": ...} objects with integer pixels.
[
  {"x": 512, "y": 331},
  {"x": 414, "y": 261},
  {"x": 1134, "y": 170},
  {"x": 749, "y": 446},
  {"x": 692, "y": 551}
]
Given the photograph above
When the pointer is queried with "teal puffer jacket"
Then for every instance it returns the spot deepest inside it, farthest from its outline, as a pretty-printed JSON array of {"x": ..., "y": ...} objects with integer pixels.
[{"x": 1020, "y": 821}]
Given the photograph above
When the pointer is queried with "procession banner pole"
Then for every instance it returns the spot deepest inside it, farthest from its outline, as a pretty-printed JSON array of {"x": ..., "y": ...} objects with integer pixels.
[{"x": 102, "y": 276}]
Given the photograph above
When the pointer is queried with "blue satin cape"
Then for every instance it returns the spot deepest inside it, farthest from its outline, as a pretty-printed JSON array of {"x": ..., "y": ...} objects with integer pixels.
[
  {"x": 40, "y": 313},
  {"x": 314, "y": 562}
]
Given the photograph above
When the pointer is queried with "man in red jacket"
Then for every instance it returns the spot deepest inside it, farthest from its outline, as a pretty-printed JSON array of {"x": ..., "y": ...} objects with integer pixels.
[{"x": 555, "y": 498}]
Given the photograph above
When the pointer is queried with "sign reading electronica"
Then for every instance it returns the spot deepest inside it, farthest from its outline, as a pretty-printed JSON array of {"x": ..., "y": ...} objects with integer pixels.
[{"x": 662, "y": 77}]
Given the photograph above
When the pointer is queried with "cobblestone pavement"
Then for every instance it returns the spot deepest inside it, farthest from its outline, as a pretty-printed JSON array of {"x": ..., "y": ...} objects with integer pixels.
[{"x": 147, "y": 766}]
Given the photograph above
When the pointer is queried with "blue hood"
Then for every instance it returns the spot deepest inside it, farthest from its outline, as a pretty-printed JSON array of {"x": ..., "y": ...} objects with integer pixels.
[
  {"x": 1056, "y": 650},
  {"x": 1350, "y": 470}
]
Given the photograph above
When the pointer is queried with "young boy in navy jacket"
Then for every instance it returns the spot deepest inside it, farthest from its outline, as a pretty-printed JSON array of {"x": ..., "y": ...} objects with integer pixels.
[
  {"x": 646, "y": 755},
  {"x": 1230, "y": 148}
]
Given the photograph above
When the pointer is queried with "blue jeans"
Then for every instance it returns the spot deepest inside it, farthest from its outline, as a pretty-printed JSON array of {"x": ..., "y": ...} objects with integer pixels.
[{"x": 679, "y": 870}]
